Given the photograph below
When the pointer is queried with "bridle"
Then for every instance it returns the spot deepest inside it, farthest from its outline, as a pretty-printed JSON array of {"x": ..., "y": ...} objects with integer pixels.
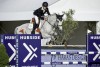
[
  {"x": 53, "y": 26},
  {"x": 50, "y": 23}
]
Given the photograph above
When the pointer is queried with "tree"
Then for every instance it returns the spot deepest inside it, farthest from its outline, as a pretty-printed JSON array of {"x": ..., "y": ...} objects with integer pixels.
[{"x": 4, "y": 59}]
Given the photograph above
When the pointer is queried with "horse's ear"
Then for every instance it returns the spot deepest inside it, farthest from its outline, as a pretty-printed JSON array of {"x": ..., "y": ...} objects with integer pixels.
[
  {"x": 62, "y": 15},
  {"x": 56, "y": 14}
]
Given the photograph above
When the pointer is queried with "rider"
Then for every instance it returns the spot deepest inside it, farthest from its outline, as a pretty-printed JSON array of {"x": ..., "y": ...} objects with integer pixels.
[{"x": 39, "y": 15}]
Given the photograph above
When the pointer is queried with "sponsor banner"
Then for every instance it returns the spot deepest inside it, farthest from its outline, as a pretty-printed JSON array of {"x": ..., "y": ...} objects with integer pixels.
[
  {"x": 9, "y": 41},
  {"x": 57, "y": 59},
  {"x": 28, "y": 51},
  {"x": 94, "y": 48}
]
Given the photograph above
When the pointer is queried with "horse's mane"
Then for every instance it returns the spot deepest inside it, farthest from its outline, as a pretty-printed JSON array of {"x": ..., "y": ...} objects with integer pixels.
[{"x": 52, "y": 14}]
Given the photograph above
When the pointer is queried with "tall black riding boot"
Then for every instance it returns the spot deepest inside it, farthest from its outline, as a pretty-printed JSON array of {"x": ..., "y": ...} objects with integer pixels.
[{"x": 34, "y": 27}]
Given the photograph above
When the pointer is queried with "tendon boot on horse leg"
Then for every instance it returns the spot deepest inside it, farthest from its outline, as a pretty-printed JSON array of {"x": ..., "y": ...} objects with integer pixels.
[{"x": 30, "y": 26}]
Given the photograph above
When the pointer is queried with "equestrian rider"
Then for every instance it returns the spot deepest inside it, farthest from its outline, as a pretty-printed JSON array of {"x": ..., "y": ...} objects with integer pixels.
[{"x": 39, "y": 15}]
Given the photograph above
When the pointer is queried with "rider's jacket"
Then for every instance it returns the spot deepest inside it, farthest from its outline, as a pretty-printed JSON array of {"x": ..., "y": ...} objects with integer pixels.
[{"x": 40, "y": 13}]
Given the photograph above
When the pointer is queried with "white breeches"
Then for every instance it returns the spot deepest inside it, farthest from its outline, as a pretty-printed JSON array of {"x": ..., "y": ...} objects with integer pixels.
[{"x": 36, "y": 19}]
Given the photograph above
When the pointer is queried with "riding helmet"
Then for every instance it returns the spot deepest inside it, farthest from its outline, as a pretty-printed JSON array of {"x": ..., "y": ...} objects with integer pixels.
[{"x": 45, "y": 4}]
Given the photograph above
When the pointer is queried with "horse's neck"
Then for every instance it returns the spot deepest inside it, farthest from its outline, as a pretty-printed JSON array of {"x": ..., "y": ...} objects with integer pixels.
[{"x": 52, "y": 18}]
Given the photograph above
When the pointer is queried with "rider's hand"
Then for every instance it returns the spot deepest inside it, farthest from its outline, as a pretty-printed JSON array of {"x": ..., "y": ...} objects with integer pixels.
[{"x": 45, "y": 18}]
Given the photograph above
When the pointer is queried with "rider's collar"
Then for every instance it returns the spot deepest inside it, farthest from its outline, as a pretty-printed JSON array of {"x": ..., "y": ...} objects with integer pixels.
[{"x": 43, "y": 9}]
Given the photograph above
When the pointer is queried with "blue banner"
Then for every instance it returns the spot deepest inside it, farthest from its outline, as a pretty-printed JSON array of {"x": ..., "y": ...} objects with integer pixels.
[
  {"x": 9, "y": 41},
  {"x": 29, "y": 51},
  {"x": 94, "y": 50}
]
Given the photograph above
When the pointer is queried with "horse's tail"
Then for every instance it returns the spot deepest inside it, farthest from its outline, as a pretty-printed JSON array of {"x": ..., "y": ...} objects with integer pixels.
[{"x": 15, "y": 31}]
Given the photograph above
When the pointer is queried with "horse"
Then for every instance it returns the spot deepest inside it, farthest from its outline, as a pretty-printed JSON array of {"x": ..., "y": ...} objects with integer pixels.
[{"x": 47, "y": 27}]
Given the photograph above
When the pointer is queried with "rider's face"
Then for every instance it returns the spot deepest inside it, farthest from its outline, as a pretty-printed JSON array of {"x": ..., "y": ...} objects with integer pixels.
[{"x": 44, "y": 8}]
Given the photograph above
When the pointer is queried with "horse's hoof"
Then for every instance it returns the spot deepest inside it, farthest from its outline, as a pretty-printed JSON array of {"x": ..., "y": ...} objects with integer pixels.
[{"x": 50, "y": 45}]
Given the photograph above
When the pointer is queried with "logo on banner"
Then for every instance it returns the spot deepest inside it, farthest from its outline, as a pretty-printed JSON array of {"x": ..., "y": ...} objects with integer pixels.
[
  {"x": 14, "y": 52},
  {"x": 98, "y": 50},
  {"x": 31, "y": 53}
]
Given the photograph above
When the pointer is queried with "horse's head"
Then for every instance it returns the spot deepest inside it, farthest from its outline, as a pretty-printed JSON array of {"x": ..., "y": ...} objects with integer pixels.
[{"x": 59, "y": 17}]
